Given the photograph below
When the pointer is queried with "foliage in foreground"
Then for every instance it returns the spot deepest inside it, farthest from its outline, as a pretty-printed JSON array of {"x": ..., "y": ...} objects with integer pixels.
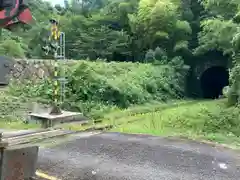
[
  {"x": 14, "y": 110},
  {"x": 96, "y": 86},
  {"x": 211, "y": 120}
]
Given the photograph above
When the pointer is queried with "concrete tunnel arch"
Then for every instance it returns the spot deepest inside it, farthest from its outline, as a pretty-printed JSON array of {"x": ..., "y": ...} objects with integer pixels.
[{"x": 213, "y": 80}]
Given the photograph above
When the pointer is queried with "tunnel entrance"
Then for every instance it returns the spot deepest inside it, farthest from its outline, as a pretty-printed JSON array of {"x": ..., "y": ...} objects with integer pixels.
[{"x": 213, "y": 80}]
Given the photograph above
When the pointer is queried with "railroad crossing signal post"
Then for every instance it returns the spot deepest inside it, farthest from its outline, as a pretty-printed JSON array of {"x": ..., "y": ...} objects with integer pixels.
[
  {"x": 57, "y": 43},
  {"x": 59, "y": 79}
]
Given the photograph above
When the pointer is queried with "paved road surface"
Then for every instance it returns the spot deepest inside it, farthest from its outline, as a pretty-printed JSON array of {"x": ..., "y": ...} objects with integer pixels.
[{"x": 114, "y": 156}]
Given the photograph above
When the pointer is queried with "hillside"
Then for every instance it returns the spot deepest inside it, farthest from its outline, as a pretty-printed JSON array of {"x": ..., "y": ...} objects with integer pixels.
[
  {"x": 98, "y": 86},
  {"x": 132, "y": 54},
  {"x": 136, "y": 31},
  {"x": 131, "y": 97}
]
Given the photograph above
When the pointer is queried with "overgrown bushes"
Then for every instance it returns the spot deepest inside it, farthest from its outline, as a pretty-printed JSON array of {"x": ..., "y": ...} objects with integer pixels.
[
  {"x": 223, "y": 120},
  {"x": 99, "y": 85}
]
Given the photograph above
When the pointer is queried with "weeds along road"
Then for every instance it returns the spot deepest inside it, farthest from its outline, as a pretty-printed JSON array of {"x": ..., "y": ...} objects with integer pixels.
[{"x": 114, "y": 156}]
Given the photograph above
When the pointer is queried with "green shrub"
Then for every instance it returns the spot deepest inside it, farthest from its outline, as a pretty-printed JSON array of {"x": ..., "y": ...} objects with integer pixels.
[
  {"x": 11, "y": 48},
  {"x": 123, "y": 84},
  {"x": 223, "y": 120},
  {"x": 97, "y": 86}
]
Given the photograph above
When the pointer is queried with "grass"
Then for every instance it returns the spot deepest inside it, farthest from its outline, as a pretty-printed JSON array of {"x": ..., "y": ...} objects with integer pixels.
[
  {"x": 183, "y": 118},
  {"x": 169, "y": 121},
  {"x": 119, "y": 116},
  {"x": 17, "y": 125},
  {"x": 13, "y": 111},
  {"x": 193, "y": 120}
]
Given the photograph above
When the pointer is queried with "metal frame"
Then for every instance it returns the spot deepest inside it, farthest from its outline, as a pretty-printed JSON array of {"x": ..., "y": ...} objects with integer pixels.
[{"x": 60, "y": 55}]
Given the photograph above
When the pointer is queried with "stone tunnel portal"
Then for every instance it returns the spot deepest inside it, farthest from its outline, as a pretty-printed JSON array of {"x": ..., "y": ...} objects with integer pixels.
[{"x": 213, "y": 80}]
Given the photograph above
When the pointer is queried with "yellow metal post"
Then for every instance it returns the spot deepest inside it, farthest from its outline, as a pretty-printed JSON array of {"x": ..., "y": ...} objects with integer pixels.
[{"x": 55, "y": 34}]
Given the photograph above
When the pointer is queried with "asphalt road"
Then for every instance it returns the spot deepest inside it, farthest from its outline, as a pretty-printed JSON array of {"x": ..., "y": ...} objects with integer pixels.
[{"x": 114, "y": 156}]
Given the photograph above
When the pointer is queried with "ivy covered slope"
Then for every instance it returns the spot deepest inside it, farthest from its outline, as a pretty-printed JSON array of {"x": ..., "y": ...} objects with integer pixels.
[{"x": 97, "y": 87}]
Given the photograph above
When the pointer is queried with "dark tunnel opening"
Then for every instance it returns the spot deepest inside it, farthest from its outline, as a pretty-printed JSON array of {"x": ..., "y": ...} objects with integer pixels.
[{"x": 213, "y": 80}]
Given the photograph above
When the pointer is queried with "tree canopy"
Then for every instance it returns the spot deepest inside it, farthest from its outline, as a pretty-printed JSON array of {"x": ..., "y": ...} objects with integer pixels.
[
  {"x": 135, "y": 30},
  {"x": 128, "y": 30}
]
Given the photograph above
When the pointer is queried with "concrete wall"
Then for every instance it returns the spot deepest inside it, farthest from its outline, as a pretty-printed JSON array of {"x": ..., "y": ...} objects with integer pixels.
[
  {"x": 18, "y": 163},
  {"x": 33, "y": 69}
]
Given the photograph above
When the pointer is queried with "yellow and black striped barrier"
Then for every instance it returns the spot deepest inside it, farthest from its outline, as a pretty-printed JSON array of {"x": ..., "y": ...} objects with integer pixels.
[{"x": 55, "y": 34}]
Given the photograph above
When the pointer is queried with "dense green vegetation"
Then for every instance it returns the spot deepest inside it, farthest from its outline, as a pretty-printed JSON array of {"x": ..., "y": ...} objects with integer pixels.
[
  {"x": 135, "y": 30},
  {"x": 144, "y": 51},
  {"x": 96, "y": 86},
  {"x": 201, "y": 120},
  {"x": 153, "y": 31}
]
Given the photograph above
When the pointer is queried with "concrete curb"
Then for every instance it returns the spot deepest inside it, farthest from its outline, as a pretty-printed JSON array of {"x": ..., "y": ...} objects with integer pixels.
[{"x": 33, "y": 138}]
